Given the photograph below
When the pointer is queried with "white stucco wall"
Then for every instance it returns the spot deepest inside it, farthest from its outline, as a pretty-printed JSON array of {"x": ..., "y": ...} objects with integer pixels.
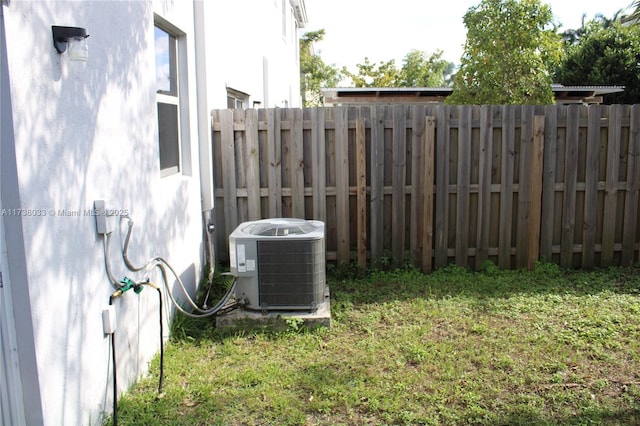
[
  {"x": 239, "y": 34},
  {"x": 84, "y": 132}
]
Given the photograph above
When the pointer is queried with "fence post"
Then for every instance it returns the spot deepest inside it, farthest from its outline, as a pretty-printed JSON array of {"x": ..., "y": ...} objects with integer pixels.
[
  {"x": 506, "y": 185},
  {"x": 377, "y": 182},
  {"x": 342, "y": 183},
  {"x": 253, "y": 165},
  {"x": 398, "y": 183},
  {"x": 535, "y": 211},
  {"x": 442, "y": 188},
  {"x": 463, "y": 182},
  {"x": 297, "y": 165},
  {"x": 549, "y": 181},
  {"x": 484, "y": 184},
  {"x": 318, "y": 162},
  {"x": 361, "y": 193},
  {"x": 611, "y": 184},
  {"x": 228, "y": 171},
  {"x": 592, "y": 168},
  {"x": 428, "y": 177},
  {"x": 570, "y": 180},
  {"x": 417, "y": 184},
  {"x": 630, "y": 221}
]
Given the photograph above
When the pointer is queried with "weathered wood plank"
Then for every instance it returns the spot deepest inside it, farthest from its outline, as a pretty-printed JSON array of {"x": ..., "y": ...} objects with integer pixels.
[
  {"x": 342, "y": 183},
  {"x": 319, "y": 165},
  {"x": 605, "y": 198},
  {"x": 361, "y": 190},
  {"x": 377, "y": 182},
  {"x": 506, "y": 184},
  {"x": 525, "y": 151},
  {"x": 442, "y": 185},
  {"x": 536, "y": 191},
  {"x": 570, "y": 179},
  {"x": 464, "y": 178},
  {"x": 270, "y": 150},
  {"x": 591, "y": 188},
  {"x": 297, "y": 166},
  {"x": 484, "y": 184},
  {"x": 549, "y": 181},
  {"x": 221, "y": 247},
  {"x": 611, "y": 187},
  {"x": 331, "y": 223},
  {"x": 286, "y": 163},
  {"x": 428, "y": 180},
  {"x": 228, "y": 171},
  {"x": 398, "y": 183},
  {"x": 240, "y": 144},
  {"x": 417, "y": 185},
  {"x": 252, "y": 163},
  {"x": 631, "y": 212}
]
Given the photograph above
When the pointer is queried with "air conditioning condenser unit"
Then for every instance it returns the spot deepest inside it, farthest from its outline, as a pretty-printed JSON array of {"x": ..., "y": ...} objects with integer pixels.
[{"x": 279, "y": 264}]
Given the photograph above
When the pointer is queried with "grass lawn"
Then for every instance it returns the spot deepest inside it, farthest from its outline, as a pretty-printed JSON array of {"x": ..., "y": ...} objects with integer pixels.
[{"x": 453, "y": 347}]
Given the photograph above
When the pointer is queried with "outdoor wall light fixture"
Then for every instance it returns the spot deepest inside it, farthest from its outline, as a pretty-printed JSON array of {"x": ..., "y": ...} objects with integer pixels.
[{"x": 75, "y": 37}]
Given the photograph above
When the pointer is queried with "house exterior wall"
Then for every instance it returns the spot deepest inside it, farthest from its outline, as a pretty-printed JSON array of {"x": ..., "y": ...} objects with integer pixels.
[
  {"x": 73, "y": 133},
  {"x": 251, "y": 49}
]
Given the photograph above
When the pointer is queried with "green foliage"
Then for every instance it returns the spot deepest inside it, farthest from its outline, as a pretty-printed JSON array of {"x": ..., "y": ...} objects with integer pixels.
[
  {"x": 607, "y": 53},
  {"x": 418, "y": 70},
  {"x": 314, "y": 73},
  {"x": 636, "y": 10},
  {"x": 384, "y": 74},
  {"x": 509, "y": 50},
  {"x": 294, "y": 324}
]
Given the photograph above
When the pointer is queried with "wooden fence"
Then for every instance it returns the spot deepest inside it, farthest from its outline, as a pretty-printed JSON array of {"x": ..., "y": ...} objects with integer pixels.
[{"x": 439, "y": 184}]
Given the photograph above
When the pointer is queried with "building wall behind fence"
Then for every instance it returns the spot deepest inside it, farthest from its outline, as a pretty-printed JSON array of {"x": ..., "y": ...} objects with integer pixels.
[{"x": 438, "y": 184}]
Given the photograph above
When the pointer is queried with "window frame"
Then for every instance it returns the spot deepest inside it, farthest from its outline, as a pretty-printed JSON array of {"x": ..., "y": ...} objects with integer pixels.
[
  {"x": 176, "y": 97},
  {"x": 238, "y": 97}
]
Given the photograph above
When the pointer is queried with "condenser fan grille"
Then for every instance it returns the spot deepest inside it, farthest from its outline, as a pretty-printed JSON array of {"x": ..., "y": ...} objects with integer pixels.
[{"x": 291, "y": 273}]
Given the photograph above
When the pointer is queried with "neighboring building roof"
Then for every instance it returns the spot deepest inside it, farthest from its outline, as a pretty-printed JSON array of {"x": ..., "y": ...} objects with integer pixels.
[
  {"x": 369, "y": 95},
  {"x": 583, "y": 94}
]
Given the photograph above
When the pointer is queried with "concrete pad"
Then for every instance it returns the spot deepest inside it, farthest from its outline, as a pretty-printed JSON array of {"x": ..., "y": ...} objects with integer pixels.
[{"x": 276, "y": 320}]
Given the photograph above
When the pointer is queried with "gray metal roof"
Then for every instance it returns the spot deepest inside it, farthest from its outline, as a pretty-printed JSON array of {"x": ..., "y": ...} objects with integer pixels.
[{"x": 437, "y": 94}]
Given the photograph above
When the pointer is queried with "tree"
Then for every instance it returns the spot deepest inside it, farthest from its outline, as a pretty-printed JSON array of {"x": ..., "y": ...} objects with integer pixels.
[
  {"x": 605, "y": 55},
  {"x": 314, "y": 73},
  {"x": 510, "y": 48},
  {"x": 571, "y": 37},
  {"x": 636, "y": 10},
  {"x": 384, "y": 74},
  {"x": 418, "y": 70}
]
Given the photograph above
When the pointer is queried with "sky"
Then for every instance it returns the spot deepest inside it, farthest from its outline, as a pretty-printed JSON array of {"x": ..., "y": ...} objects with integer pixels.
[{"x": 383, "y": 30}]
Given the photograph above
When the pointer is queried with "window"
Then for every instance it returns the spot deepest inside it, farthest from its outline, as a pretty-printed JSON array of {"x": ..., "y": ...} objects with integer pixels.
[
  {"x": 236, "y": 99},
  {"x": 285, "y": 11},
  {"x": 296, "y": 42},
  {"x": 168, "y": 101}
]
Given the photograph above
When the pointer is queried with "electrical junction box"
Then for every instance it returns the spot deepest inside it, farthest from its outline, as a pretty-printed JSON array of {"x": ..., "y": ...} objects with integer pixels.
[
  {"x": 279, "y": 264},
  {"x": 105, "y": 222},
  {"x": 109, "y": 324}
]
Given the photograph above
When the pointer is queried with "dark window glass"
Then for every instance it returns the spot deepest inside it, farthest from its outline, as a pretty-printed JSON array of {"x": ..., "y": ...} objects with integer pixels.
[{"x": 169, "y": 141}]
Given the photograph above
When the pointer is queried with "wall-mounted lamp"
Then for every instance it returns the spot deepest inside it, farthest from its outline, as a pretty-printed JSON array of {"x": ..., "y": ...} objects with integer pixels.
[{"x": 75, "y": 37}]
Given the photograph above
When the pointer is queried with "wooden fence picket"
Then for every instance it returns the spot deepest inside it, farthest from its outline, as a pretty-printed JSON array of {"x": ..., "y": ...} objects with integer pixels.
[{"x": 438, "y": 184}]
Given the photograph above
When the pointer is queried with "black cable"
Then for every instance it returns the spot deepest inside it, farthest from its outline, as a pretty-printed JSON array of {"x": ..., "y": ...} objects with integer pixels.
[
  {"x": 161, "y": 343},
  {"x": 115, "y": 379}
]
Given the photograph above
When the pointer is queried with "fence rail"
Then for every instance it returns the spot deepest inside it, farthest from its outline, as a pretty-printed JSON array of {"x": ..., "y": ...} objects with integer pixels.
[{"x": 439, "y": 184}]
